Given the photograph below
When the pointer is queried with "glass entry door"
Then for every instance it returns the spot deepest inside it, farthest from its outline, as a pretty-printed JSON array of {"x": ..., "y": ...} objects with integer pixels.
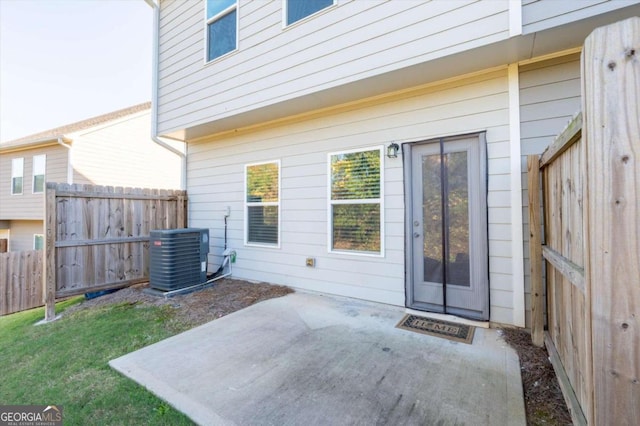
[{"x": 447, "y": 227}]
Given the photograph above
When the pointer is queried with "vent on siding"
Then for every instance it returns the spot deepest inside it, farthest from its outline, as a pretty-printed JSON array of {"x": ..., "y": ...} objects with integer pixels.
[{"x": 178, "y": 258}]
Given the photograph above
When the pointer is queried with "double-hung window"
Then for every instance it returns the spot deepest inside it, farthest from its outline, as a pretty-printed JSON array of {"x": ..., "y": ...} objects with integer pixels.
[
  {"x": 17, "y": 172},
  {"x": 221, "y": 27},
  {"x": 262, "y": 200},
  {"x": 39, "y": 169},
  {"x": 38, "y": 241},
  {"x": 296, "y": 10},
  {"x": 355, "y": 201}
]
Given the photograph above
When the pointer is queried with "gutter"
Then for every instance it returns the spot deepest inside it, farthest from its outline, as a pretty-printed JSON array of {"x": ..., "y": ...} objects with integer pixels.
[
  {"x": 154, "y": 97},
  {"x": 36, "y": 143}
]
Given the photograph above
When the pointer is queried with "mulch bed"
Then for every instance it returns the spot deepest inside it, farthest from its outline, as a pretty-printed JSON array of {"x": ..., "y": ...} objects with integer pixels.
[
  {"x": 192, "y": 309},
  {"x": 543, "y": 398}
]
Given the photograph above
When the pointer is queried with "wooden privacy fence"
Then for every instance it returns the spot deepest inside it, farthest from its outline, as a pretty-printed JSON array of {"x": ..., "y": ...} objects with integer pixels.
[
  {"x": 591, "y": 208},
  {"x": 97, "y": 238},
  {"x": 20, "y": 281}
]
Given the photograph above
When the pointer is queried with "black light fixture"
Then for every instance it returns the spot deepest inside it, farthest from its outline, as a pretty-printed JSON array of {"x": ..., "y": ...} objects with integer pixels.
[{"x": 392, "y": 150}]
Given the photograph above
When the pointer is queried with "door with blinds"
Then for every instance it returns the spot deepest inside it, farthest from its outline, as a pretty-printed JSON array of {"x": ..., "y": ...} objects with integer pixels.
[{"x": 446, "y": 226}]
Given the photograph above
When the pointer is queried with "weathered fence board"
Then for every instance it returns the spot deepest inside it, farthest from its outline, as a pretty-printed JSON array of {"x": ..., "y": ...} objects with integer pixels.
[
  {"x": 562, "y": 169},
  {"x": 611, "y": 86},
  {"x": 20, "y": 281},
  {"x": 535, "y": 249},
  {"x": 591, "y": 203},
  {"x": 98, "y": 237}
]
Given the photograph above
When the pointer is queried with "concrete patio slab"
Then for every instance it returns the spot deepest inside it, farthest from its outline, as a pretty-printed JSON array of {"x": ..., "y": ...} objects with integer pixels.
[{"x": 317, "y": 360}]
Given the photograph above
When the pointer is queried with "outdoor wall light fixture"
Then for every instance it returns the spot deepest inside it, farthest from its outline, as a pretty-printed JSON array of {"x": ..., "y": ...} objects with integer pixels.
[{"x": 392, "y": 150}]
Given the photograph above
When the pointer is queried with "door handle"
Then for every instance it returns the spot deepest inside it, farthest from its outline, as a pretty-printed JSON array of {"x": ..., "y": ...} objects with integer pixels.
[{"x": 416, "y": 235}]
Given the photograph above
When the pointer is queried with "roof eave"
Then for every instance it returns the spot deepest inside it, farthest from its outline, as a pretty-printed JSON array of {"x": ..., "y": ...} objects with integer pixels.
[{"x": 35, "y": 143}]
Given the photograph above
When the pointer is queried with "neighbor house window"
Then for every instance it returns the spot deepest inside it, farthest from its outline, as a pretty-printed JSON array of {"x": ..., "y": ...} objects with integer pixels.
[
  {"x": 262, "y": 197},
  {"x": 296, "y": 10},
  {"x": 39, "y": 166},
  {"x": 221, "y": 27},
  {"x": 355, "y": 201},
  {"x": 38, "y": 241},
  {"x": 17, "y": 171}
]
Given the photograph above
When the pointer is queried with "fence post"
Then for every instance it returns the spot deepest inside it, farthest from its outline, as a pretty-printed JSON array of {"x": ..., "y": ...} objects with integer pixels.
[
  {"x": 535, "y": 251},
  {"x": 181, "y": 210},
  {"x": 611, "y": 132},
  {"x": 49, "y": 264}
]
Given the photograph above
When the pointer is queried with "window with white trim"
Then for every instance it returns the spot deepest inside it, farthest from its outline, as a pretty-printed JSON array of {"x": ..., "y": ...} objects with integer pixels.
[
  {"x": 39, "y": 169},
  {"x": 38, "y": 241},
  {"x": 221, "y": 28},
  {"x": 262, "y": 200},
  {"x": 295, "y": 10},
  {"x": 17, "y": 172},
  {"x": 355, "y": 201}
]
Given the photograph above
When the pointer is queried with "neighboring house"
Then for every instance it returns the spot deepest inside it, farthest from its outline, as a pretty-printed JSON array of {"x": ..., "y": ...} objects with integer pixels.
[
  {"x": 290, "y": 109},
  {"x": 114, "y": 149}
]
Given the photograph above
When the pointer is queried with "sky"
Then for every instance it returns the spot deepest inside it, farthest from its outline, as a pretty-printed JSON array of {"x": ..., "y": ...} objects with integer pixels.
[{"x": 63, "y": 61}]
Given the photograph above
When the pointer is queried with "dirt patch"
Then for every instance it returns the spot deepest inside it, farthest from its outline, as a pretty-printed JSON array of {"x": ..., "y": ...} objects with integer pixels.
[
  {"x": 192, "y": 309},
  {"x": 543, "y": 398}
]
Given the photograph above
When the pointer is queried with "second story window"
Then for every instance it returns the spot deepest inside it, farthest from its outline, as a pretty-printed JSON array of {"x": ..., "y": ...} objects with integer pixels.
[
  {"x": 300, "y": 9},
  {"x": 39, "y": 167},
  {"x": 17, "y": 172},
  {"x": 222, "y": 34}
]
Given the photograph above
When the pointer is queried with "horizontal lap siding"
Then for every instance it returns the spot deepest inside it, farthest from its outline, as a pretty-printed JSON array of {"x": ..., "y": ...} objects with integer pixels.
[
  {"x": 29, "y": 205},
  {"x": 350, "y": 41},
  {"x": 121, "y": 153},
  {"x": 21, "y": 233},
  {"x": 538, "y": 15},
  {"x": 215, "y": 181},
  {"x": 549, "y": 97}
]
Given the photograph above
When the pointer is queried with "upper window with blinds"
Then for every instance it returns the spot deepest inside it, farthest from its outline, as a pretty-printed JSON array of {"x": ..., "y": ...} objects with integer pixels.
[
  {"x": 355, "y": 202},
  {"x": 262, "y": 199},
  {"x": 39, "y": 170},
  {"x": 221, "y": 28},
  {"x": 17, "y": 171},
  {"x": 296, "y": 10}
]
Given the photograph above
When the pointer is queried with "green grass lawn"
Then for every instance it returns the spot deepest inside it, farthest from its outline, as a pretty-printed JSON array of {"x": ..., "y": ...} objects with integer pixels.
[{"x": 65, "y": 363}]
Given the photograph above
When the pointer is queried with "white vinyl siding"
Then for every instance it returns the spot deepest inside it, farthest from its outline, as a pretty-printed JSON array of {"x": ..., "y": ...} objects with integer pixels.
[
  {"x": 262, "y": 204},
  {"x": 350, "y": 41},
  {"x": 355, "y": 213},
  {"x": 39, "y": 173},
  {"x": 121, "y": 153},
  {"x": 17, "y": 176},
  {"x": 216, "y": 180},
  {"x": 549, "y": 97},
  {"x": 538, "y": 15}
]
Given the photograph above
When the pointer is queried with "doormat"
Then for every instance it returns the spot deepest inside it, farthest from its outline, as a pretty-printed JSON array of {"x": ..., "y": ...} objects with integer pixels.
[{"x": 433, "y": 327}]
